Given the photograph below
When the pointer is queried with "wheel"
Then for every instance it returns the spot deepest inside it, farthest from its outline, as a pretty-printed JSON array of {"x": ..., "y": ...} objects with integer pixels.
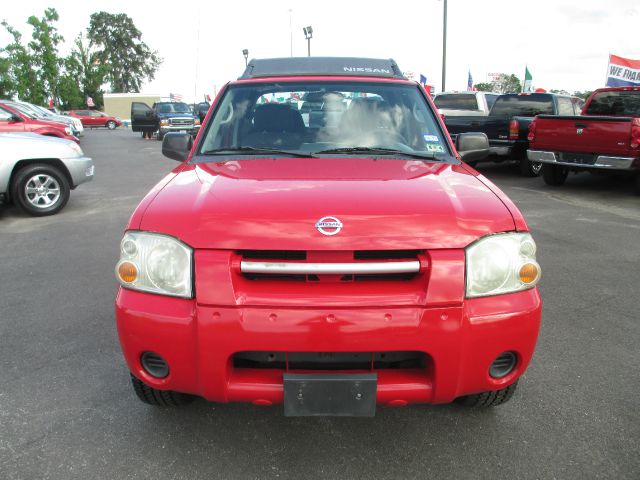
[
  {"x": 160, "y": 135},
  {"x": 159, "y": 398},
  {"x": 488, "y": 399},
  {"x": 529, "y": 168},
  {"x": 554, "y": 174},
  {"x": 40, "y": 189},
  {"x": 111, "y": 125}
]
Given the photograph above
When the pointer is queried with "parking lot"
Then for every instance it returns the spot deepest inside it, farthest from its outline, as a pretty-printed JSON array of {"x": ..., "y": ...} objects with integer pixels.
[{"x": 67, "y": 409}]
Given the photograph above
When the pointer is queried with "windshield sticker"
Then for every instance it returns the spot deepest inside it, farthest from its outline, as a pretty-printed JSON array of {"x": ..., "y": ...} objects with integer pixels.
[
  {"x": 431, "y": 138},
  {"x": 435, "y": 148}
]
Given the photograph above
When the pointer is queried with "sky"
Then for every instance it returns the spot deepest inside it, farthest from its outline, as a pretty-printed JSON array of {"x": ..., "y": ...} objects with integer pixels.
[{"x": 564, "y": 43}]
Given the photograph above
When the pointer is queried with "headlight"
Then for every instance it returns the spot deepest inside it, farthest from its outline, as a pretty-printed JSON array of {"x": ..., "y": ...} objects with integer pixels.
[
  {"x": 164, "y": 123},
  {"x": 196, "y": 121},
  {"x": 501, "y": 263},
  {"x": 67, "y": 130},
  {"x": 155, "y": 263}
]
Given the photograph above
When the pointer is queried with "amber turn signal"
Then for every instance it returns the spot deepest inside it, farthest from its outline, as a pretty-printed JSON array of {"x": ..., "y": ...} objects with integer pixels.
[
  {"x": 127, "y": 272},
  {"x": 529, "y": 273}
]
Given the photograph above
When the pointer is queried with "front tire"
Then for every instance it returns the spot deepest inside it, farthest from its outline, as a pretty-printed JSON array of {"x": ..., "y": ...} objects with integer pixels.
[
  {"x": 554, "y": 175},
  {"x": 159, "y": 398},
  {"x": 488, "y": 399},
  {"x": 111, "y": 125},
  {"x": 40, "y": 189}
]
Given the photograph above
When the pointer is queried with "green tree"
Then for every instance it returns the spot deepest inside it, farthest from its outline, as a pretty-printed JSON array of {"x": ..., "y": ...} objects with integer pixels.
[
  {"x": 507, "y": 84},
  {"x": 7, "y": 87},
  {"x": 120, "y": 48},
  {"x": 20, "y": 74},
  {"x": 560, "y": 92},
  {"x": 484, "y": 87},
  {"x": 44, "y": 55},
  {"x": 583, "y": 95}
]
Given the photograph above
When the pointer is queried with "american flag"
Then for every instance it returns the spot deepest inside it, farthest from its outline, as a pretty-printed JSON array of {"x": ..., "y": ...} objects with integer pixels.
[
  {"x": 470, "y": 82},
  {"x": 175, "y": 97}
]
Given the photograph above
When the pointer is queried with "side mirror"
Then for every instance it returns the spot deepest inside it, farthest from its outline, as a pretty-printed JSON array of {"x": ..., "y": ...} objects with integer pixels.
[
  {"x": 473, "y": 146},
  {"x": 177, "y": 146},
  {"x": 15, "y": 119}
]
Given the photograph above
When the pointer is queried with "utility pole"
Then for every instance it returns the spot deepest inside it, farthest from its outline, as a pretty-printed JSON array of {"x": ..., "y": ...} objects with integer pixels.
[
  {"x": 290, "y": 32},
  {"x": 444, "y": 46},
  {"x": 245, "y": 52}
]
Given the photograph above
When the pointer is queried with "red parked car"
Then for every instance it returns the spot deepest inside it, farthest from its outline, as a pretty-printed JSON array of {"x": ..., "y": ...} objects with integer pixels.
[
  {"x": 13, "y": 120},
  {"x": 94, "y": 118},
  {"x": 329, "y": 257}
]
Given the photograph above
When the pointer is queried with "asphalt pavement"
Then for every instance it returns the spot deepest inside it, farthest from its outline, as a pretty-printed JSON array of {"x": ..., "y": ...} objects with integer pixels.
[{"x": 67, "y": 409}]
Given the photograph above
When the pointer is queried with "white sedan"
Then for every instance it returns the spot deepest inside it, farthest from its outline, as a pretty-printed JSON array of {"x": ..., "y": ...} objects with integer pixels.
[{"x": 37, "y": 173}]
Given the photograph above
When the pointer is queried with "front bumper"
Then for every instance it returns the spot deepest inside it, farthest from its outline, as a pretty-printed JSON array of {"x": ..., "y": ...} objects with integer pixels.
[
  {"x": 605, "y": 162},
  {"x": 180, "y": 128},
  {"x": 81, "y": 169},
  {"x": 198, "y": 341}
]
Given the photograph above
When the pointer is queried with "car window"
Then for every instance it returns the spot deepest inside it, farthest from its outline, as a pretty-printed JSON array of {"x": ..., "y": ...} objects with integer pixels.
[
  {"x": 527, "y": 105},
  {"x": 23, "y": 110},
  {"x": 175, "y": 107},
  {"x": 462, "y": 101},
  {"x": 491, "y": 99},
  {"x": 565, "y": 106},
  {"x": 623, "y": 103},
  {"x": 315, "y": 116},
  {"x": 5, "y": 115}
]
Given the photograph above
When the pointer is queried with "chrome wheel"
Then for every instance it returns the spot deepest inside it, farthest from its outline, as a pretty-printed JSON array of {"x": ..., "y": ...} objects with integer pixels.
[
  {"x": 536, "y": 167},
  {"x": 42, "y": 191}
]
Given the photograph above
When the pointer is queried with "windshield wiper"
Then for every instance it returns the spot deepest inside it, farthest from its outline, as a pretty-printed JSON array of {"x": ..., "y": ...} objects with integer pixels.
[
  {"x": 382, "y": 151},
  {"x": 254, "y": 150}
]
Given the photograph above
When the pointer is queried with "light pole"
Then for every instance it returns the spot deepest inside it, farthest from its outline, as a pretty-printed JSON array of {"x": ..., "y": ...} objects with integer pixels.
[
  {"x": 444, "y": 45},
  {"x": 308, "y": 34},
  {"x": 245, "y": 52},
  {"x": 290, "y": 32}
]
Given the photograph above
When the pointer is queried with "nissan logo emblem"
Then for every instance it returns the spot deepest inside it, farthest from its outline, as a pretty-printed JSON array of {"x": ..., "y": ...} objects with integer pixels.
[{"x": 329, "y": 225}]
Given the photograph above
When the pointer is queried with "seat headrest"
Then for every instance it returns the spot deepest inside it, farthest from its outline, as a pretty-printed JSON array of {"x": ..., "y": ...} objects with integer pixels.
[{"x": 275, "y": 117}]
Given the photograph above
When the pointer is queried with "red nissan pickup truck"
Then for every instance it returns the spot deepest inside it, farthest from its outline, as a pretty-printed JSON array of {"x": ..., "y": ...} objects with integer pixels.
[
  {"x": 606, "y": 137},
  {"x": 322, "y": 246}
]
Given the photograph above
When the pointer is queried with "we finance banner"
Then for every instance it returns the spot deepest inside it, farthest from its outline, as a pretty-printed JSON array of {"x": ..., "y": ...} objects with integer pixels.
[{"x": 623, "y": 72}]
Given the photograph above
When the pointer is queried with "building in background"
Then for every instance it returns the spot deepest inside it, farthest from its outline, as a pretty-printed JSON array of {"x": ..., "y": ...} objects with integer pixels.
[{"x": 119, "y": 104}]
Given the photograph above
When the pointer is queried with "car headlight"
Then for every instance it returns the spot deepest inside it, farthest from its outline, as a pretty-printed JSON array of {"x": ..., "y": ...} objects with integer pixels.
[
  {"x": 164, "y": 123},
  {"x": 501, "y": 263},
  {"x": 67, "y": 130},
  {"x": 196, "y": 121},
  {"x": 156, "y": 263}
]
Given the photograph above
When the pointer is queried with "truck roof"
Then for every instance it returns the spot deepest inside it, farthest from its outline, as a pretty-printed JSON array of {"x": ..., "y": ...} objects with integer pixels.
[{"x": 321, "y": 66}]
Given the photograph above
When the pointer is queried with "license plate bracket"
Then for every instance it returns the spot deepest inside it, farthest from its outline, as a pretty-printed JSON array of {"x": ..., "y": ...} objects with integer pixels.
[{"x": 319, "y": 394}]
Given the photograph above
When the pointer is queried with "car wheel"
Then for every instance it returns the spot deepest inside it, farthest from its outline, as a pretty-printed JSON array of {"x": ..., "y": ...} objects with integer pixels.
[
  {"x": 529, "y": 168},
  {"x": 159, "y": 398},
  {"x": 488, "y": 399},
  {"x": 40, "y": 189},
  {"x": 111, "y": 125},
  {"x": 554, "y": 174}
]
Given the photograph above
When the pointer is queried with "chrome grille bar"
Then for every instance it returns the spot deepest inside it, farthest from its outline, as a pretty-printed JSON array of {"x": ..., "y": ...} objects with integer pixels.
[{"x": 351, "y": 268}]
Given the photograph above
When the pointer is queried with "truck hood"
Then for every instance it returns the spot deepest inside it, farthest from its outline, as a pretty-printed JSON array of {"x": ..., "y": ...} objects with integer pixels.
[{"x": 274, "y": 204}]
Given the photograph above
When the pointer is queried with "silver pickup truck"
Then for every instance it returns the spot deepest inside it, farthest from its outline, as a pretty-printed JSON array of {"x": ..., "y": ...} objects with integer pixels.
[{"x": 37, "y": 173}]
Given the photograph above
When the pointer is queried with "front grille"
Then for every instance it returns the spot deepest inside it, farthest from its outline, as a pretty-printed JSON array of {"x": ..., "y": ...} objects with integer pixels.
[
  {"x": 340, "y": 266},
  {"x": 330, "y": 360},
  {"x": 180, "y": 122}
]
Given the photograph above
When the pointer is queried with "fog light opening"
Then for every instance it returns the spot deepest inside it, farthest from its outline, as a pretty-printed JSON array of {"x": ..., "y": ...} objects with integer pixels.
[
  {"x": 154, "y": 365},
  {"x": 503, "y": 365}
]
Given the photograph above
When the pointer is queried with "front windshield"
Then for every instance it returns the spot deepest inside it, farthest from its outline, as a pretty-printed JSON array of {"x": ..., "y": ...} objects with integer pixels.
[
  {"x": 317, "y": 117},
  {"x": 173, "y": 108}
]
